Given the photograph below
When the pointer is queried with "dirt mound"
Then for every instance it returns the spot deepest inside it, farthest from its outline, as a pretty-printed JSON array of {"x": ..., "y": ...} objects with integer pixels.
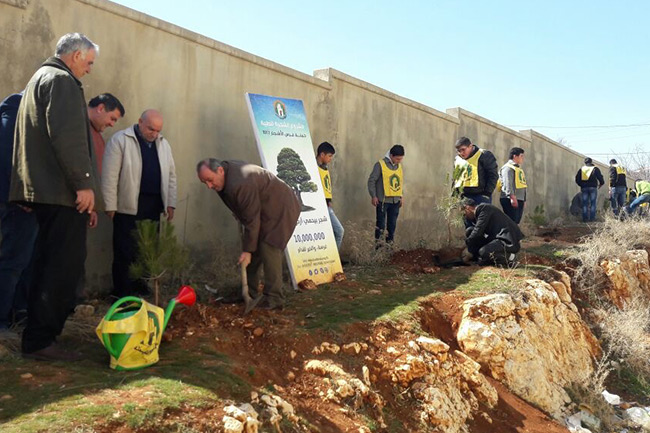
[{"x": 420, "y": 260}]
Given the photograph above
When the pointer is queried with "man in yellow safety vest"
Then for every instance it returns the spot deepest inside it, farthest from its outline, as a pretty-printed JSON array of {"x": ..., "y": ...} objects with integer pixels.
[
  {"x": 589, "y": 179},
  {"x": 617, "y": 186},
  {"x": 513, "y": 185},
  {"x": 324, "y": 155},
  {"x": 642, "y": 196},
  {"x": 386, "y": 186}
]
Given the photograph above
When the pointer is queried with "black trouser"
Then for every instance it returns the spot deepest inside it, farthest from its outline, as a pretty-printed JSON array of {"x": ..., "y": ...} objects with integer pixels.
[
  {"x": 58, "y": 262},
  {"x": 515, "y": 213},
  {"x": 387, "y": 214},
  {"x": 125, "y": 245},
  {"x": 494, "y": 252}
]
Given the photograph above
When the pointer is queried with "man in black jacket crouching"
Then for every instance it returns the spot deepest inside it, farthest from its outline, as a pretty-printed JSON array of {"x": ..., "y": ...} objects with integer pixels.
[{"x": 494, "y": 238}]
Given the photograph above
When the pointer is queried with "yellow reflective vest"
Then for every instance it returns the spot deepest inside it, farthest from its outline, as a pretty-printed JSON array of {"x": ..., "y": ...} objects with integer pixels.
[
  {"x": 585, "y": 171},
  {"x": 642, "y": 187},
  {"x": 520, "y": 177},
  {"x": 393, "y": 179},
  {"x": 326, "y": 181},
  {"x": 466, "y": 171}
]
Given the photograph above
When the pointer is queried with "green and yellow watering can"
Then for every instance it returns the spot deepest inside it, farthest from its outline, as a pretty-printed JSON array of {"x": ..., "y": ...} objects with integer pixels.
[{"x": 132, "y": 329}]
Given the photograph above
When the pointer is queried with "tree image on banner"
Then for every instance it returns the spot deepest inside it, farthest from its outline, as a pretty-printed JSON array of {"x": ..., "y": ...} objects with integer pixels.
[{"x": 292, "y": 171}]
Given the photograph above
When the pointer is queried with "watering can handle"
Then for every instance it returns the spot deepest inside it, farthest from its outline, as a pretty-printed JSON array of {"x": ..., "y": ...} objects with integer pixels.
[{"x": 109, "y": 314}]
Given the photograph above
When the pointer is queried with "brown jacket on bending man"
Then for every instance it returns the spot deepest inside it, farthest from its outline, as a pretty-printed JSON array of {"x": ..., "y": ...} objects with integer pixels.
[{"x": 267, "y": 208}]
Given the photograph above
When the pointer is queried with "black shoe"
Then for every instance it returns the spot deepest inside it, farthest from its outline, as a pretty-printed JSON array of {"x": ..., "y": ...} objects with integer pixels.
[{"x": 54, "y": 352}]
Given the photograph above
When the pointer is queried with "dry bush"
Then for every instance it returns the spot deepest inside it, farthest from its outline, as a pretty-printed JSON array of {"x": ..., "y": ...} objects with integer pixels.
[
  {"x": 610, "y": 240},
  {"x": 626, "y": 335}
]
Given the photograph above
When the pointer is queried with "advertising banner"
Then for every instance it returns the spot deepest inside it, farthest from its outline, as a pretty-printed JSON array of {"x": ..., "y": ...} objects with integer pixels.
[{"x": 285, "y": 146}]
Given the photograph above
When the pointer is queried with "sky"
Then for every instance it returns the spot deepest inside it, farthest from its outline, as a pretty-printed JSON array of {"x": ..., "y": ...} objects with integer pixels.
[{"x": 576, "y": 71}]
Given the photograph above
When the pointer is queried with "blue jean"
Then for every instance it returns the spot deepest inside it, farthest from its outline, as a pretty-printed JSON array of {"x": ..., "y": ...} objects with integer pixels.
[
  {"x": 645, "y": 198},
  {"x": 387, "y": 214},
  {"x": 618, "y": 198},
  {"x": 19, "y": 229},
  {"x": 589, "y": 196},
  {"x": 337, "y": 228}
]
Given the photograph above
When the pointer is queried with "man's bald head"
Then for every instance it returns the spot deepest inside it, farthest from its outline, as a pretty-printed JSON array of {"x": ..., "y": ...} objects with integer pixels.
[{"x": 150, "y": 124}]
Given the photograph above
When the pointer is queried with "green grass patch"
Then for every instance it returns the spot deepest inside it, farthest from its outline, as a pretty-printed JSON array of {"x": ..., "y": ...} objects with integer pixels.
[
  {"x": 62, "y": 397},
  {"x": 373, "y": 294}
]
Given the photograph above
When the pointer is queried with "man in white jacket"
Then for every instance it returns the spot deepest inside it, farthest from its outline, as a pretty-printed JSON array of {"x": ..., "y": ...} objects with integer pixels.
[{"x": 139, "y": 183}]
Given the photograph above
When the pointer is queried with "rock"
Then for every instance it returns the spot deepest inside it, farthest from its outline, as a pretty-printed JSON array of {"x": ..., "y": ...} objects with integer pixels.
[
  {"x": 26, "y": 376},
  {"x": 365, "y": 372},
  {"x": 307, "y": 285},
  {"x": 374, "y": 292},
  {"x": 432, "y": 345},
  {"x": 533, "y": 342},
  {"x": 430, "y": 269},
  {"x": 6, "y": 397},
  {"x": 339, "y": 276},
  {"x": 344, "y": 389},
  {"x": 249, "y": 409},
  {"x": 293, "y": 354},
  {"x": 252, "y": 425},
  {"x": 268, "y": 400},
  {"x": 84, "y": 310},
  {"x": 352, "y": 348},
  {"x": 258, "y": 332},
  {"x": 235, "y": 412},
  {"x": 629, "y": 277},
  {"x": 291, "y": 376},
  {"x": 231, "y": 425},
  {"x": 323, "y": 368}
]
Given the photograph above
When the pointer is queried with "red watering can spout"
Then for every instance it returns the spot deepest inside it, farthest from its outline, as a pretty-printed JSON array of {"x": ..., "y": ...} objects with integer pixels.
[{"x": 186, "y": 296}]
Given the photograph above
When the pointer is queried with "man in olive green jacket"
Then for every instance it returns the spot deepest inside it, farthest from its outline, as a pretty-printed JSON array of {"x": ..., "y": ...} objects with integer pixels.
[
  {"x": 54, "y": 175},
  {"x": 267, "y": 208}
]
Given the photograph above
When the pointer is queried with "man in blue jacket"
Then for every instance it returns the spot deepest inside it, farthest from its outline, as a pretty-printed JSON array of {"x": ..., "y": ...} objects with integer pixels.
[{"x": 18, "y": 227}]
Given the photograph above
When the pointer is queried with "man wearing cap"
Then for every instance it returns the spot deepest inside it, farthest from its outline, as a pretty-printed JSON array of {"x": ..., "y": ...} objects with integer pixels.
[
  {"x": 617, "y": 186},
  {"x": 589, "y": 179},
  {"x": 494, "y": 239}
]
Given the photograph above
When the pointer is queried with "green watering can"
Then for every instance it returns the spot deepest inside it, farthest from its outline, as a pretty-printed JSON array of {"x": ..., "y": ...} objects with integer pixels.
[{"x": 132, "y": 329}]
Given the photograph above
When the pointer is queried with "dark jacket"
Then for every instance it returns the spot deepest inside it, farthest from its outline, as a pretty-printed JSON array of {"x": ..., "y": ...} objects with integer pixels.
[
  {"x": 492, "y": 222},
  {"x": 616, "y": 179},
  {"x": 53, "y": 155},
  {"x": 8, "y": 114},
  {"x": 266, "y": 207},
  {"x": 488, "y": 174},
  {"x": 595, "y": 179}
]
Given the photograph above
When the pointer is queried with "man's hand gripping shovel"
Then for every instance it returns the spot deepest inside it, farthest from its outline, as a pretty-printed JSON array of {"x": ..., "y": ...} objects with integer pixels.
[{"x": 249, "y": 302}]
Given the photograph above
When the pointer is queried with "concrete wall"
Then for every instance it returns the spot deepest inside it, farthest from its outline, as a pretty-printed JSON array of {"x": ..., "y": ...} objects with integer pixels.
[{"x": 199, "y": 85}]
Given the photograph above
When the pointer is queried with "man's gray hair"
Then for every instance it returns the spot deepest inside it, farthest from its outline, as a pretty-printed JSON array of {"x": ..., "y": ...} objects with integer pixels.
[
  {"x": 74, "y": 42},
  {"x": 212, "y": 163}
]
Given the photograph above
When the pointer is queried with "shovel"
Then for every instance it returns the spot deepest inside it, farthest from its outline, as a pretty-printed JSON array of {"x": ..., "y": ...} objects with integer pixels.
[{"x": 249, "y": 302}]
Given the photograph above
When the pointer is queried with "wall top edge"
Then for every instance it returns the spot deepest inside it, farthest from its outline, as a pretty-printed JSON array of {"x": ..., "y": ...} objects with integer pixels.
[
  {"x": 463, "y": 112},
  {"x": 532, "y": 132},
  {"x": 191, "y": 36},
  {"x": 328, "y": 74}
]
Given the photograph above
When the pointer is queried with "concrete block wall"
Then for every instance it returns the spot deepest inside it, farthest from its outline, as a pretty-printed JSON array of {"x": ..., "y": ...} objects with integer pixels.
[{"x": 199, "y": 85}]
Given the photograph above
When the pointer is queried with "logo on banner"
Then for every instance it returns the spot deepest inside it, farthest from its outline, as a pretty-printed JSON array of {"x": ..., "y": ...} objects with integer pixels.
[
  {"x": 280, "y": 109},
  {"x": 394, "y": 182}
]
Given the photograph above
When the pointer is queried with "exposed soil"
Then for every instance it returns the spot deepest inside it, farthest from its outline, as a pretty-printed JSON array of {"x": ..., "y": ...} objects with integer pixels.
[{"x": 268, "y": 349}]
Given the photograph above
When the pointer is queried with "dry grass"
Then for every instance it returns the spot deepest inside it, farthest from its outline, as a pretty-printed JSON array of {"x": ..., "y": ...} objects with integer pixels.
[
  {"x": 610, "y": 240},
  {"x": 626, "y": 333}
]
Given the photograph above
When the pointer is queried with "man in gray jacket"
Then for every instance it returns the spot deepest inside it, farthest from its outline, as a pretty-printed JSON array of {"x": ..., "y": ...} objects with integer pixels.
[
  {"x": 53, "y": 174},
  {"x": 513, "y": 185},
  {"x": 386, "y": 188},
  {"x": 138, "y": 183}
]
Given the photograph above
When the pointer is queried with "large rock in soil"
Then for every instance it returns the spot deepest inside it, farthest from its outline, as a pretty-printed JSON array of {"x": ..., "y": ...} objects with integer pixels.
[
  {"x": 629, "y": 277},
  {"x": 534, "y": 342}
]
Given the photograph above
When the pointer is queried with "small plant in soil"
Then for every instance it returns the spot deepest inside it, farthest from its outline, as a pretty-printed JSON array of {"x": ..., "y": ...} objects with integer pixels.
[{"x": 159, "y": 254}]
